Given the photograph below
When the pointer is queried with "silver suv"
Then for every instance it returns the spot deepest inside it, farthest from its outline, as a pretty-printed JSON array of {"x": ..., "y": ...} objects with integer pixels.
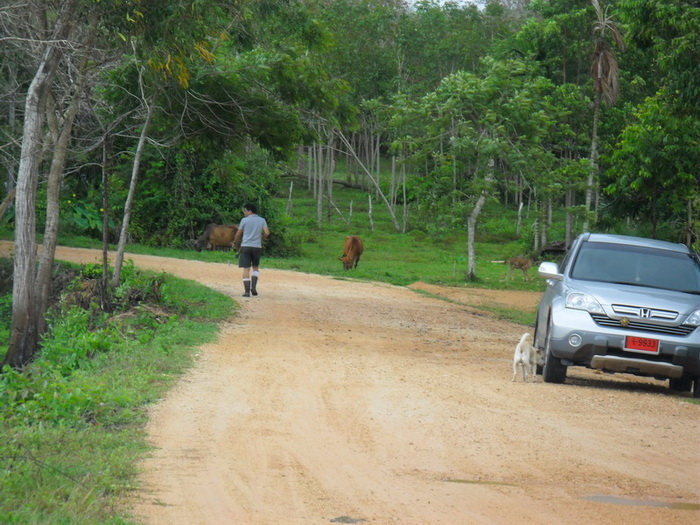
[{"x": 622, "y": 304}]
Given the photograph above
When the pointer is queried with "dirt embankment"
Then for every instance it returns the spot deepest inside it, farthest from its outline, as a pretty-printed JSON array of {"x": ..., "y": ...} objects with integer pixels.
[{"x": 340, "y": 401}]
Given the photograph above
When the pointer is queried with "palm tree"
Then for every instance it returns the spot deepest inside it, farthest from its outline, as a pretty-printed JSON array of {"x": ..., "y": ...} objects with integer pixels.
[{"x": 606, "y": 84}]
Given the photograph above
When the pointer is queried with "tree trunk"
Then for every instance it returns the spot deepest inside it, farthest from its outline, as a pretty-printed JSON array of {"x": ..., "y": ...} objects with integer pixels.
[
  {"x": 106, "y": 154},
  {"x": 310, "y": 170},
  {"x": 8, "y": 200},
  {"x": 23, "y": 335},
  {"x": 301, "y": 164},
  {"x": 689, "y": 225},
  {"x": 405, "y": 198},
  {"x": 568, "y": 235},
  {"x": 119, "y": 259},
  {"x": 12, "y": 122},
  {"x": 23, "y": 331},
  {"x": 471, "y": 227},
  {"x": 330, "y": 174},
  {"x": 593, "y": 172},
  {"x": 393, "y": 194},
  {"x": 319, "y": 184},
  {"x": 378, "y": 164},
  {"x": 546, "y": 221},
  {"x": 63, "y": 130},
  {"x": 289, "y": 199},
  {"x": 53, "y": 190}
]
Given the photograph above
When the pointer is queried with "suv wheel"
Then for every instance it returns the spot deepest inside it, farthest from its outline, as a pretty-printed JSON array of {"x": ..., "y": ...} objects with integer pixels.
[
  {"x": 538, "y": 369},
  {"x": 553, "y": 371},
  {"x": 680, "y": 384}
]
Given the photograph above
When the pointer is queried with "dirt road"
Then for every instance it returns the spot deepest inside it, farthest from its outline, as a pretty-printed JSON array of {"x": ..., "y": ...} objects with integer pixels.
[{"x": 336, "y": 401}]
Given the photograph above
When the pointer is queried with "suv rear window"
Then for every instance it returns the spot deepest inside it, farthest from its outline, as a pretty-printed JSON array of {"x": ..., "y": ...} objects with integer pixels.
[{"x": 637, "y": 265}]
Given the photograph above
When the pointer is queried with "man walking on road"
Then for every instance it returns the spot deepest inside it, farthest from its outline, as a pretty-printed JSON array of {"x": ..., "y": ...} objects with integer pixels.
[{"x": 251, "y": 232}]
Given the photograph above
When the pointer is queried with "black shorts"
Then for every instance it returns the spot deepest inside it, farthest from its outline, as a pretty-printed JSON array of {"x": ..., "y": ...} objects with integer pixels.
[{"x": 249, "y": 256}]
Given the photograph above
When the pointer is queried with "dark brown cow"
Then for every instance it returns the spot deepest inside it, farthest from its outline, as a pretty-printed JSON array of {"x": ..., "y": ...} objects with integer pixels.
[
  {"x": 217, "y": 236},
  {"x": 352, "y": 249}
]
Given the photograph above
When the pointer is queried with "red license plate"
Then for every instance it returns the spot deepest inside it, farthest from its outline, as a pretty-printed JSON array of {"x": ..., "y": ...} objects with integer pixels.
[{"x": 642, "y": 344}]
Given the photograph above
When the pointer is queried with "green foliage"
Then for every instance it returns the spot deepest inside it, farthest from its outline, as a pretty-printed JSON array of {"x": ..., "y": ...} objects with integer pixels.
[
  {"x": 558, "y": 38},
  {"x": 92, "y": 271},
  {"x": 383, "y": 48},
  {"x": 72, "y": 421},
  {"x": 83, "y": 217},
  {"x": 176, "y": 201},
  {"x": 137, "y": 285},
  {"x": 669, "y": 31},
  {"x": 653, "y": 172},
  {"x": 472, "y": 132},
  {"x": 41, "y": 395},
  {"x": 75, "y": 340},
  {"x": 426, "y": 78},
  {"x": 251, "y": 75},
  {"x": 6, "y": 270}
]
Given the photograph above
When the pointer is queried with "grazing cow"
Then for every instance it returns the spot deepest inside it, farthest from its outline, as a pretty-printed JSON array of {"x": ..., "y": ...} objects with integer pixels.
[
  {"x": 217, "y": 236},
  {"x": 352, "y": 249},
  {"x": 519, "y": 263}
]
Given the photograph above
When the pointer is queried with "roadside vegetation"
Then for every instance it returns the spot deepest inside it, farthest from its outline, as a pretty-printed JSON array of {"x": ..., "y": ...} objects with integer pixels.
[{"x": 72, "y": 422}]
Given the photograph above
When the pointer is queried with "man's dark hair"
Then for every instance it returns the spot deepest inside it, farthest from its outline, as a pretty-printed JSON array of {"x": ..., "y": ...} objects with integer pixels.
[{"x": 251, "y": 207}]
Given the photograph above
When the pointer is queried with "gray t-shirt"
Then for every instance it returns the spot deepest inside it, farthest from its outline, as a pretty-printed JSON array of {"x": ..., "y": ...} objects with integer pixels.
[{"x": 252, "y": 227}]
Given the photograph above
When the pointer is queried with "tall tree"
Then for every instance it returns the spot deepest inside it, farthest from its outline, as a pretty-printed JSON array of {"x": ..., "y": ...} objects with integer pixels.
[
  {"x": 653, "y": 174},
  {"x": 606, "y": 86},
  {"x": 25, "y": 334},
  {"x": 148, "y": 103}
]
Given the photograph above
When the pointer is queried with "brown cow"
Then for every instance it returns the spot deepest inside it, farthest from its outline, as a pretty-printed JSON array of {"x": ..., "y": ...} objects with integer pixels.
[
  {"x": 217, "y": 236},
  {"x": 352, "y": 249}
]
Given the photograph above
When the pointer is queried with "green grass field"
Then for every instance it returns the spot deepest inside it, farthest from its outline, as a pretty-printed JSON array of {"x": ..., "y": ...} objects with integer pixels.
[{"x": 402, "y": 258}]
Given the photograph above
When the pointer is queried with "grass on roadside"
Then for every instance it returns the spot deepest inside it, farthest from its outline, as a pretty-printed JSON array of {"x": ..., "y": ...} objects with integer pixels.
[{"x": 72, "y": 430}]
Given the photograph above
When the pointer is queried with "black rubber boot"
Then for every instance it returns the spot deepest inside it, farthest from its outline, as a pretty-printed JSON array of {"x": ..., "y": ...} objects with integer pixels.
[
  {"x": 254, "y": 284},
  {"x": 246, "y": 286}
]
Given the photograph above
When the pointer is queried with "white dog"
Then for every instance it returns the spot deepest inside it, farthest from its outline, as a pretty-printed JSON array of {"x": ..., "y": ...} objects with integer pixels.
[{"x": 528, "y": 357}]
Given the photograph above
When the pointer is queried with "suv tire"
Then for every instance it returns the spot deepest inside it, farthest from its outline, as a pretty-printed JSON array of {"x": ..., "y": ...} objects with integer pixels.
[
  {"x": 553, "y": 371},
  {"x": 680, "y": 384},
  {"x": 535, "y": 343}
]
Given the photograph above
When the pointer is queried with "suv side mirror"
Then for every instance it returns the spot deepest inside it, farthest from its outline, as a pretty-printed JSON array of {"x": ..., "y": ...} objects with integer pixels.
[{"x": 550, "y": 270}]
